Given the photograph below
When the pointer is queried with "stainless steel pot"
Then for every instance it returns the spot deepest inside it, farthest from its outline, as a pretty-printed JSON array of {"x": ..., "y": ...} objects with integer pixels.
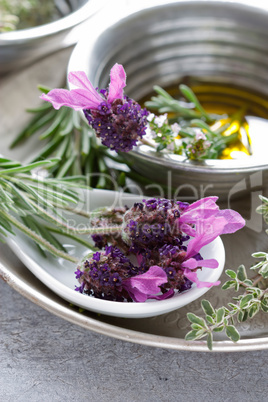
[{"x": 160, "y": 43}]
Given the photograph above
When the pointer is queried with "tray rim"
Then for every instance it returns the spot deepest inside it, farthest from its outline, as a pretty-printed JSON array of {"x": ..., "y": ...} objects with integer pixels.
[{"x": 123, "y": 334}]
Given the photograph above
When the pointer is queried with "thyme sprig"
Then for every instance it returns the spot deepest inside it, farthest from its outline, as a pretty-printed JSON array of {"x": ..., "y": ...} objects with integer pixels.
[{"x": 244, "y": 306}]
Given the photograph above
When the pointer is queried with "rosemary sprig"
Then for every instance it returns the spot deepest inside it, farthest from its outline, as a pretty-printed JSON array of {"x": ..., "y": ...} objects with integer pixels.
[
  {"x": 191, "y": 109},
  {"x": 244, "y": 306},
  {"x": 29, "y": 202}
]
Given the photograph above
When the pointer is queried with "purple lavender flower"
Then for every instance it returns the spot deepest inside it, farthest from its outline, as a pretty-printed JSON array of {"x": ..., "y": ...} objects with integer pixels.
[
  {"x": 100, "y": 241},
  {"x": 102, "y": 273},
  {"x": 151, "y": 224},
  {"x": 156, "y": 230},
  {"x": 171, "y": 258},
  {"x": 110, "y": 275},
  {"x": 118, "y": 120},
  {"x": 120, "y": 124}
]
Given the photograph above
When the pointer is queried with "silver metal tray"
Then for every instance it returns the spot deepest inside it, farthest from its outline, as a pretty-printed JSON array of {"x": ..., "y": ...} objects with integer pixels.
[{"x": 166, "y": 331}]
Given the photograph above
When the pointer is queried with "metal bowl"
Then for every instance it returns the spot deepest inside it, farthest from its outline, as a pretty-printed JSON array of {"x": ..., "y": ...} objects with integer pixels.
[
  {"x": 21, "y": 47},
  {"x": 221, "y": 41}
]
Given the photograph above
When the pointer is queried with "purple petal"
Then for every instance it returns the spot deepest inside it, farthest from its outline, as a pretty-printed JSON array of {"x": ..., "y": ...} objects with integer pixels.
[
  {"x": 207, "y": 232},
  {"x": 188, "y": 229},
  {"x": 201, "y": 209},
  {"x": 192, "y": 276},
  {"x": 234, "y": 219},
  {"x": 117, "y": 82},
  {"x": 86, "y": 97},
  {"x": 144, "y": 286},
  {"x": 80, "y": 80},
  {"x": 201, "y": 203},
  {"x": 76, "y": 99},
  {"x": 192, "y": 263}
]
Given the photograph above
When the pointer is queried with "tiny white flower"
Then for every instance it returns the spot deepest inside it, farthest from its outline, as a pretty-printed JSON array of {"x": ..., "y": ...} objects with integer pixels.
[
  {"x": 200, "y": 136},
  {"x": 175, "y": 128},
  {"x": 160, "y": 120},
  {"x": 149, "y": 133},
  {"x": 150, "y": 117}
]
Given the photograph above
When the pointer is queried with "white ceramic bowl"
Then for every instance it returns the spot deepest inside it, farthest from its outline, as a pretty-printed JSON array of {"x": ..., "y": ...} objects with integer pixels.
[{"x": 58, "y": 274}]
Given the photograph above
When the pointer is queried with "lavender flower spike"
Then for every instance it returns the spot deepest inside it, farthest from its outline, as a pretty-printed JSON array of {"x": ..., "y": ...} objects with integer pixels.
[{"x": 118, "y": 120}]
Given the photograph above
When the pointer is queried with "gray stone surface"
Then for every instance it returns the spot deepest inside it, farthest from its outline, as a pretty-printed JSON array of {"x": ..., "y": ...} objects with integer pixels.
[{"x": 44, "y": 358}]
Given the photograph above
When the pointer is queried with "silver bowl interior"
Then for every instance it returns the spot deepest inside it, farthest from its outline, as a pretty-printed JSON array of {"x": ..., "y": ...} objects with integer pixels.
[
  {"x": 21, "y": 47},
  {"x": 223, "y": 42},
  {"x": 226, "y": 42}
]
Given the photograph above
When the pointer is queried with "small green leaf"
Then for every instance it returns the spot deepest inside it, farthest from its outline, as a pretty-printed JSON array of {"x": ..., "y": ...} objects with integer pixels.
[
  {"x": 264, "y": 305},
  {"x": 220, "y": 315},
  {"x": 207, "y": 308},
  {"x": 241, "y": 273},
  {"x": 196, "y": 327},
  {"x": 210, "y": 341},
  {"x": 189, "y": 94},
  {"x": 242, "y": 316},
  {"x": 248, "y": 282},
  {"x": 263, "y": 199},
  {"x": 218, "y": 329},
  {"x": 254, "y": 310},
  {"x": 160, "y": 147},
  {"x": 264, "y": 270},
  {"x": 245, "y": 301},
  {"x": 233, "y": 306},
  {"x": 237, "y": 286},
  {"x": 190, "y": 336},
  {"x": 231, "y": 274},
  {"x": 260, "y": 254},
  {"x": 196, "y": 320},
  {"x": 209, "y": 319},
  {"x": 256, "y": 292},
  {"x": 262, "y": 209},
  {"x": 228, "y": 285},
  {"x": 232, "y": 333}
]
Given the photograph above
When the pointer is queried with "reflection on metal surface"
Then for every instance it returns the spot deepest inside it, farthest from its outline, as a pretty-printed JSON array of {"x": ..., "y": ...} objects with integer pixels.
[{"x": 23, "y": 47}]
